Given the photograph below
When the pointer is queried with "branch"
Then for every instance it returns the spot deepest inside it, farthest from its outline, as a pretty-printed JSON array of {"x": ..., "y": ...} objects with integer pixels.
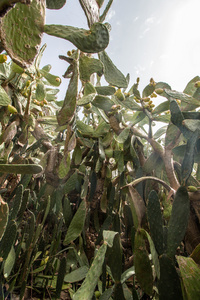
[
  {"x": 103, "y": 16},
  {"x": 91, "y": 10}
]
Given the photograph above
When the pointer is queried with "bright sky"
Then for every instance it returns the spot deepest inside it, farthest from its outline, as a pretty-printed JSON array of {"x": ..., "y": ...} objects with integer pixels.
[{"x": 149, "y": 38}]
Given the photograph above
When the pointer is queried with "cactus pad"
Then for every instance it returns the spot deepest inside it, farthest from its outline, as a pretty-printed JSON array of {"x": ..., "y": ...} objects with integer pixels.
[
  {"x": 55, "y": 4},
  {"x": 112, "y": 75},
  {"x": 190, "y": 274},
  {"x": 90, "y": 41},
  {"x": 178, "y": 220},
  {"x": 20, "y": 169},
  {"x": 143, "y": 269},
  {"x": 155, "y": 221},
  {"x": 4, "y": 98},
  {"x": 21, "y": 31},
  {"x": 169, "y": 286}
]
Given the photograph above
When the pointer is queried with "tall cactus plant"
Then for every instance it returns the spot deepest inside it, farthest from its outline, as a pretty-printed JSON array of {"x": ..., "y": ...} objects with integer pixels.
[{"x": 21, "y": 31}]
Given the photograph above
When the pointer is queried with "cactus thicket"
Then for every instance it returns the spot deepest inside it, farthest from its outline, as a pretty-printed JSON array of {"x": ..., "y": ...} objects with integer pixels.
[{"x": 94, "y": 203}]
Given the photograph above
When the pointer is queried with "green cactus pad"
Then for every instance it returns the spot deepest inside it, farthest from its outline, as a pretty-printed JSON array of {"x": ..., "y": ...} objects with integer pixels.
[
  {"x": 21, "y": 31},
  {"x": 90, "y": 41},
  {"x": 4, "y": 98},
  {"x": 177, "y": 119},
  {"x": 40, "y": 92},
  {"x": 188, "y": 161},
  {"x": 16, "y": 203},
  {"x": 112, "y": 75},
  {"x": 9, "y": 263},
  {"x": 20, "y": 169},
  {"x": 178, "y": 220},
  {"x": 155, "y": 221},
  {"x": 87, "y": 288},
  {"x": 8, "y": 239},
  {"x": 77, "y": 224},
  {"x": 142, "y": 264},
  {"x": 4, "y": 211},
  {"x": 169, "y": 286},
  {"x": 69, "y": 106},
  {"x": 55, "y": 4},
  {"x": 23, "y": 205},
  {"x": 190, "y": 274},
  {"x": 52, "y": 79},
  {"x": 105, "y": 90},
  {"x": 88, "y": 66},
  {"x": 115, "y": 254},
  {"x": 60, "y": 278}
]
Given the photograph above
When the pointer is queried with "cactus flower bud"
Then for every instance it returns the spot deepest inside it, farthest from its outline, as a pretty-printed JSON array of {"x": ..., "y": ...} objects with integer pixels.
[
  {"x": 12, "y": 109},
  {"x": 3, "y": 58},
  {"x": 159, "y": 91},
  {"x": 197, "y": 84},
  {"x": 192, "y": 188},
  {"x": 147, "y": 99},
  {"x": 119, "y": 95}
]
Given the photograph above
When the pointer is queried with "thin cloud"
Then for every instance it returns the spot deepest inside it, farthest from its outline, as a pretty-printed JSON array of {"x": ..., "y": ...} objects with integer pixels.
[
  {"x": 110, "y": 15},
  {"x": 149, "y": 20}
]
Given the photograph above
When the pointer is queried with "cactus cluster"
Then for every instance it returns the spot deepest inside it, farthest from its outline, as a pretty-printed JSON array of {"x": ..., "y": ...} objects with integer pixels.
[{"x": 94, "y": 204}]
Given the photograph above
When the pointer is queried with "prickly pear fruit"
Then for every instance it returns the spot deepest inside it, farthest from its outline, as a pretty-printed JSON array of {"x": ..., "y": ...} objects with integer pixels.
[
  {"x": 3, "y": 58},
  {"x": 192, "y": 188},
  {"x": 197, "y": 84},
  {"x": 119, "y": 95},
  {"x": 159, "y": 91},
  {"x": 12, "y": 109}
]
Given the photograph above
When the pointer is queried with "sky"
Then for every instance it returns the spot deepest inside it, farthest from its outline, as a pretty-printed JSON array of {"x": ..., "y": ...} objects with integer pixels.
[{"x": 149, "y": 38}]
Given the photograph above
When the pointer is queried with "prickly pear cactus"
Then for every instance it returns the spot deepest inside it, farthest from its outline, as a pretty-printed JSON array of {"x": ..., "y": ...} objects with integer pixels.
[
  {"x": 21, "y": 31},
  {"x": 90, "y": 41}
]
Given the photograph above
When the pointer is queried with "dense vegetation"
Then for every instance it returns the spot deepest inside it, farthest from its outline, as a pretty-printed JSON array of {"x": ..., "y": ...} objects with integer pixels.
[{"x": 94, "y": 202}]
